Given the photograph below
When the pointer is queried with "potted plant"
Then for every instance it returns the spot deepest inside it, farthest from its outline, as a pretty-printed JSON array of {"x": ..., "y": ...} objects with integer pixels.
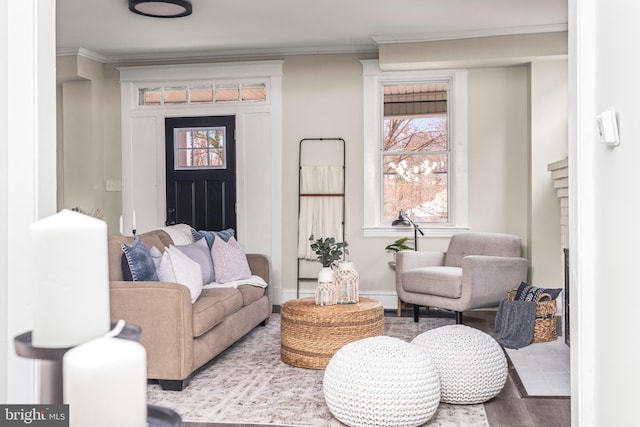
[
  {"x": 327, "y": 250},
  {"x": 397, "y": 246}
]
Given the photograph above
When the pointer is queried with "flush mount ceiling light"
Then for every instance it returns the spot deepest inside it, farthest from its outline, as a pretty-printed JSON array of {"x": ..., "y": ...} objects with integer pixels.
[{"x": 161, "y": 8}]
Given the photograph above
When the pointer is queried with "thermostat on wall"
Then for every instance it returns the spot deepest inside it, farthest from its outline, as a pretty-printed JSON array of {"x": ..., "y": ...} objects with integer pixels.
[{"x": 608, "y": 127}]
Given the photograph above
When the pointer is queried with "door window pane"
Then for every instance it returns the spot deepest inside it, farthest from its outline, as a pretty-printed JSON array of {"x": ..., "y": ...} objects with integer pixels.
[{"x": 199, "y": 148}]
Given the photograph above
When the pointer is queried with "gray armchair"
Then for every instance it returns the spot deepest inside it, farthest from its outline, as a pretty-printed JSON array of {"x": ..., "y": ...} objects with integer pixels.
[{"x": 476, "y": 271}]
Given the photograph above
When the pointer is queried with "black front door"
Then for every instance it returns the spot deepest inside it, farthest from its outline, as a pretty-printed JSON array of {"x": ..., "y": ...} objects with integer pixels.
[{"x": 201, "y": 176}]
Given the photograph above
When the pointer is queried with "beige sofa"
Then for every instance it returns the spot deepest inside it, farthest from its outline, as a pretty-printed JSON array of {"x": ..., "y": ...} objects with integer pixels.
[{"x": 180, "y": 336}]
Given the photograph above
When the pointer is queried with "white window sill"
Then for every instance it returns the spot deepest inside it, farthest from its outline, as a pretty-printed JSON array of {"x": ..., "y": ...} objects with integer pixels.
[{"x": 429, "y": 231}]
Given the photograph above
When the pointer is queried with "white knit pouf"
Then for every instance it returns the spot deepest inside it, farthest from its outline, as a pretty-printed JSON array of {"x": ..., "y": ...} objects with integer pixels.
[
  {"x": 381, "y": 381},
  {"x": 471, "y": 364}
]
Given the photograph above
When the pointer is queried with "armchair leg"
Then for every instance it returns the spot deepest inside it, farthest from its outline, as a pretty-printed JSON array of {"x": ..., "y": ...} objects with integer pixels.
[
  {"x": 416, "y": 312},
  {"x": 458, "y": 317}
]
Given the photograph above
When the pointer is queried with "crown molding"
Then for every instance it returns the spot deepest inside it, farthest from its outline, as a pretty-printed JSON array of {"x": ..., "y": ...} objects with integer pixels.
[
  {"x": 324, "y": 50},
  {"x": 219, "y": 54},
  {"x": 82, "y": 52},
  {"x": 456, "y": 35}
]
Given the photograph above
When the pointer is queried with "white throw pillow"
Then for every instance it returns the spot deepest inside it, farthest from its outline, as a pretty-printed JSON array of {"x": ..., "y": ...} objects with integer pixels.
[
  {"x": 156, "y": 256},
  {"x": 176, "y": 267},
  {"x": 164, "y": 270}
]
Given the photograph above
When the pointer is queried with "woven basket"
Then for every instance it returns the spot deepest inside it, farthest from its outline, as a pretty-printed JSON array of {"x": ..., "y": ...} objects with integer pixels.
[{"x": 545, "y": 328}]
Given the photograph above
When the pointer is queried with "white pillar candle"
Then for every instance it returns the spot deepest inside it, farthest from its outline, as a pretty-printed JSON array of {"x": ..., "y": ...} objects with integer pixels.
[
  {"x": 134, "y": 220},
  {"x": 121, "y": 227},
  {"x": 70, "y": 267},
  {"x": 105, "y": 383}
]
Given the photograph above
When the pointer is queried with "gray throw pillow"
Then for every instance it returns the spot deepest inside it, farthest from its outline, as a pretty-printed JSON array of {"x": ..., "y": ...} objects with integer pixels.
[{"x": 199, "y": 252}]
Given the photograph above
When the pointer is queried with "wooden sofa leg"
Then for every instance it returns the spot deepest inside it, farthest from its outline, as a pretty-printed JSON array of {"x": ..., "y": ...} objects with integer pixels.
[
  {"x": 416, "y": 312},
  {"x": 458, "y": 317},
  {"x": 174, "y": 385},
  {"x": 265, "y": 322}
]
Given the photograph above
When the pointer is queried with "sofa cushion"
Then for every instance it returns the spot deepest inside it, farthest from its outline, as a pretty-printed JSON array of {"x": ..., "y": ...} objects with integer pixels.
[
  {"x": 210, "y": 236},
  {"x": 137, "y": 263},
  {"x": 250, "y": 293},
  {"x": 199, "y": 252},
  {"x": 213, "y": 306},
  {"x": 229, "y": 261},
  {"x": 442, "y": 281}
]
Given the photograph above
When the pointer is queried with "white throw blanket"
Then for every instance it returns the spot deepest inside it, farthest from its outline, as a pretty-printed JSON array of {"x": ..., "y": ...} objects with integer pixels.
[
  {"x": 319, "y": 216},
  {"x": 179, "y": 233},
  {"x": 253, "y": 280}
]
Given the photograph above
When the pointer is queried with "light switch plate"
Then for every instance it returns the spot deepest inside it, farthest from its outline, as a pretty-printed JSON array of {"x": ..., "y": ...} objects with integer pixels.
[
  {"x": 608, "y": 127},
  {"x": 113, "y": 185}
]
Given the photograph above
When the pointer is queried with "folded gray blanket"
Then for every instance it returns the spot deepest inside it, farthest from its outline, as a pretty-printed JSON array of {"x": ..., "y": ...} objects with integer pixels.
[{"x": 514, "y": 323}]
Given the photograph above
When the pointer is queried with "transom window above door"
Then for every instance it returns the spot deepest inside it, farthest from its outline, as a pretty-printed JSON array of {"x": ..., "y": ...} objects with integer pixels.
[
  {"x": 200, "y": 148},
  {"x": 203, "y": 94}
]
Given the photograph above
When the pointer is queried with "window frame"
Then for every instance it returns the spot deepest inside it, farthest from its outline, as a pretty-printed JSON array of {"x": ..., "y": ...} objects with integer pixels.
[{"x": 374, "y": 78}]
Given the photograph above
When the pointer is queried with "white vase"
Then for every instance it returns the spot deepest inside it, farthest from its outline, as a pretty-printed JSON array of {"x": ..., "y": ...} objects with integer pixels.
[
  {"x": 347, "y": 283},
  {"x": 326, "y": 290}
]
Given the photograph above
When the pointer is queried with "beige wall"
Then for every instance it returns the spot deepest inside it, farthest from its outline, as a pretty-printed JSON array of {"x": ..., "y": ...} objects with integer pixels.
[
  {"x": 549, "y": 143},
  {"x": 322, "y": 97}
]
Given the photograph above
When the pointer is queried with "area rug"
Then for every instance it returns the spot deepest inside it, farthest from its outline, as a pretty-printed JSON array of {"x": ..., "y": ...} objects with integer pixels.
[{"x": 249, "y": 384}]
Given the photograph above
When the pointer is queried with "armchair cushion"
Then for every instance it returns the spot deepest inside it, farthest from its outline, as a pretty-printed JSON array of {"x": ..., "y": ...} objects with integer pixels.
[{"x": 442, "y": 281}]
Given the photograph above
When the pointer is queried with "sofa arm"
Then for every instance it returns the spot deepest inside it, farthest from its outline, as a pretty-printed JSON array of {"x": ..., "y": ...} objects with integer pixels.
[
  {"x": 260, "y": 265},
  {"x": 164, "y": 312},
  {"x": 488, "y": 278}
]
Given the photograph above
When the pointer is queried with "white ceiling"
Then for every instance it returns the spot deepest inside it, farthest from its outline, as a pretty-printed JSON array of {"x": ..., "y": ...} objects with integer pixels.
[{"x": 107, "y": 29}]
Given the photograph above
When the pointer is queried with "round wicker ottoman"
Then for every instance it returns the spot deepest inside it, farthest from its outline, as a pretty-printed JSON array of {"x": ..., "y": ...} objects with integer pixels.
[
  {"x": 471, "y": 364},
  {"x": 311, "y": 334},
  {"x": 381, "y": 381}
]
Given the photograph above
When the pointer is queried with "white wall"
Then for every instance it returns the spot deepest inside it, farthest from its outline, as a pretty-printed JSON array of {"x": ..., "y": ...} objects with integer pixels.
[
  {"x": 4, "y": 104},
  {"x": 603, "y": 212},
  {"x": 27, "y": 189}
]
